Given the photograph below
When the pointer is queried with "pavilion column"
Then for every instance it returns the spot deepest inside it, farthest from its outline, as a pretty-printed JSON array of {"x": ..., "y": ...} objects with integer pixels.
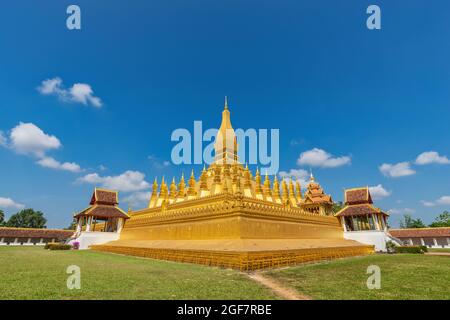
[
  {"x": 79, "y": 225},
  {"x": 88, "y": 224},
  {"x": 343, "y": 224},
  {"x": 2, "y": 240},
  {"x": 119, "y": 225},
  {"x": 448, "y": 241},
  {"x": 435, "y": 242},
  {"x": 422, "y": 242},
  {"x": 411, "y": 241},
  {"x": 377, "y": 222}
]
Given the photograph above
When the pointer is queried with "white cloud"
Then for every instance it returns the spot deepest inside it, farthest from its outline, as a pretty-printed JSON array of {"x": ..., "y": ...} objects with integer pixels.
[
  {"x": 128, "y": 181},
  {"x": 49, "y": 162},
  {"x": 379, "y": 192},
  {"x": 27, "y": 138},
  {"x": 320, "y": 158},
  {"x": 158, "y": 163},
  {"x": 431, "y": 157},
  {"x": 8, "y": 203},
  {"x": 139, "y": 198},
  {"x": 3, "y": 141},
  {"x": 79, "y": 92},
  {"x": 401, "y": 211},
  {"x": 442, "y": 201},
  {"x": 83, "y": 93},
  {"x": 400, "y": 169},
  {"x": 428, "y": 203},
  {"x": 299, "y": 175}
]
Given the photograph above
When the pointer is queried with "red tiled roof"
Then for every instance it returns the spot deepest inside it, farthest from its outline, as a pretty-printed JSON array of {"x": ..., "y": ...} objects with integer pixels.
[
  {"x": 103, "y": 211},
  {"x": 358, "y": 210},
  {"x": 420, "y": 232},
  {"x": 103, "y": 196},
  {"x": 358, "y": 196},
  {"x": 35, "y": 233}
]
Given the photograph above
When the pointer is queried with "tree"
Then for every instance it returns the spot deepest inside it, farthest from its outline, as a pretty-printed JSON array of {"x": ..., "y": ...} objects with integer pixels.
[
  {"x": 2, "y": 218},
  {"x": 27, "y": 218},
  {"x": 72, "y": 226},
  {"x": 443, "y": 220},
  {"x": 337, "y": 206},
  {"x": 409, "y": 222}
]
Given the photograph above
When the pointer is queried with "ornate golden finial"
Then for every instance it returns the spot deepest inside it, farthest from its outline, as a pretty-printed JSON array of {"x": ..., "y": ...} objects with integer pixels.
[
  {"x": 164, "y": 190},
  {"x": 226, "y": 103},
  {"x": 154, "y": 195},
  {"x": 276, "y": 188},
  {"x": 267, "y": 191},
  {"x": 267, "y": 180},
  {"x": 173, "y": 189},
  {"x": 258, "y": 188},
  {"x": 181, "y": 188},
  {"x": 257, "y": 176},
  {"x": 299, "y": 191},
  {"x": 291, "y": 188},
  {"x": 284, "y": 189},
  {"x": 203, "y": 180},
  {"x": 191, "y": 189},
  {"x": 311, "y": 177}
]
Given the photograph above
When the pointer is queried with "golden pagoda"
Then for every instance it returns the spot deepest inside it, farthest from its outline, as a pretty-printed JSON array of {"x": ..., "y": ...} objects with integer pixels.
[{"x": 229, "y": 217}]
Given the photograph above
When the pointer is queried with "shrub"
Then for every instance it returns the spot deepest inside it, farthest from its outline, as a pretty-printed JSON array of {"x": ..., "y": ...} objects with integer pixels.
[
  {"x": 49, "y": 244},
  {"x": 390, "y": 246},
  {"x": 76, "y": 245},
  {"x": 57, "y": 246},
  {"x": 411, "y": 249}
]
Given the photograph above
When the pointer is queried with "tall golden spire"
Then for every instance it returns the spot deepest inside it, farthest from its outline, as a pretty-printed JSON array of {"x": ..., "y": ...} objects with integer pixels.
[
  {"x": 154, "y": 196},
  {"x": 225, "y": 146}
]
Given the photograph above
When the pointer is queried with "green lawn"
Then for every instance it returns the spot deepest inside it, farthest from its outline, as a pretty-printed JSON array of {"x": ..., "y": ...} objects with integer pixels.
[
  {"x": 35, "y": 273},
  {"x": 446, "y": 250},
  {"x": 403, "y": 276}
]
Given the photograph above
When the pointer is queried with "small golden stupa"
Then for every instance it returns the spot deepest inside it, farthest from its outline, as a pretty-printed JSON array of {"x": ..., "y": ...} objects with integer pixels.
[{"x": 230, "y": 218}]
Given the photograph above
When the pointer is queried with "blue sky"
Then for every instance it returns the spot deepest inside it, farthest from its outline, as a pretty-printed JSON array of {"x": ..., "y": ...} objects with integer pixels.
[{"x": 310, "y": 68}]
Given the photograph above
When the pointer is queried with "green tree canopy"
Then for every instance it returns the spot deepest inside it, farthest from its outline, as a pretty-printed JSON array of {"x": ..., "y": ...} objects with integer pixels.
[
  {"x": 27, "y": 218},
  {"x": 337, "y": 206},
  {"x": 2, "y": 218},
  {"x": 443, "y": 220},
  {"x": 409, "y": 222}
]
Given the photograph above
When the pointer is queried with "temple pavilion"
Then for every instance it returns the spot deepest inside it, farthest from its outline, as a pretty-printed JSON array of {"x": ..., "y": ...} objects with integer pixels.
[
  {"x": 231, "y": 217},
  {"x": 102, "y": 221},
  {"x": 362, "y": 221}
]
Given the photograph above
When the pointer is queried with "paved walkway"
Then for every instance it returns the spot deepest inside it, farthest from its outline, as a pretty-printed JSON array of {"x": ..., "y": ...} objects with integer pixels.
[
  {"x": 447, "y": 254},
  {"x": 277, "y": 288}
]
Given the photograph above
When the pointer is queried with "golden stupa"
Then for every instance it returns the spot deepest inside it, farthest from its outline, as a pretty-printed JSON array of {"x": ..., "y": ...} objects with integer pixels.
[{"x": 230, "y": 218}]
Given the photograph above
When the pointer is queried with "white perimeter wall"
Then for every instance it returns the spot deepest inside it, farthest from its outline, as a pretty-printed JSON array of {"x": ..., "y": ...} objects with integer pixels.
[
  {"x": 87, "y": 239},
  {"x": 376, "y": 238}
]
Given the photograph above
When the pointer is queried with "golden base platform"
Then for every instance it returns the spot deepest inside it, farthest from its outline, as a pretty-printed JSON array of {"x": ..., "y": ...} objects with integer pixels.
[{"x": 244, "y": 255}]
